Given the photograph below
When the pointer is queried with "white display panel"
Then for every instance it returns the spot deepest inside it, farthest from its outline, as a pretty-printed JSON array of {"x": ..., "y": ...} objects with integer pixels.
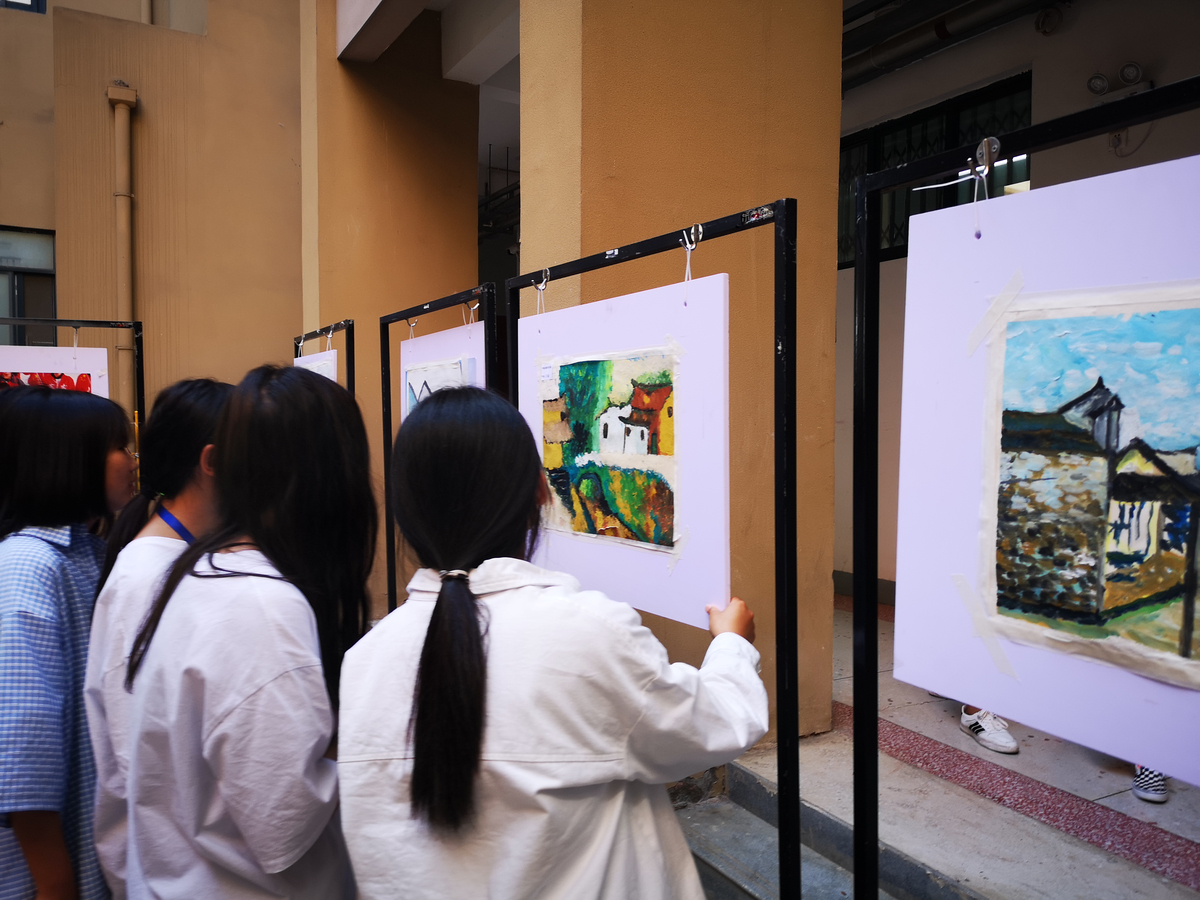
[
  {"x": 442, "y": 359},
  {"x": 323, "y": 363},
  {"x": 1075, "y": 254},
  {"x": 628, "y": 399},
  {"x": 47, "y": 365}
]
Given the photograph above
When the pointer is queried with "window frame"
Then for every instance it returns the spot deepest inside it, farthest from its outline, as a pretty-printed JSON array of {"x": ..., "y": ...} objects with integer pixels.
[
  {"x": 16, "y": 297},
  {"x": 35, "y": 6},
  {"x": 950, "y": 111}
]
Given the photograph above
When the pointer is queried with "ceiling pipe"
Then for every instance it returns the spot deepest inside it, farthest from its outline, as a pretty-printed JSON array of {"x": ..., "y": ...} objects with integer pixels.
[
  {"x": 924, "y": 40},
  {"x": 888, "y": 25}
]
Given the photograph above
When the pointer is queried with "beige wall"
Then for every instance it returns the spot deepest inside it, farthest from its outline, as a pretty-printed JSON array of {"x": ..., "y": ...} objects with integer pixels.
[
  {"x": 397, "y": 206},
  {"x": 27, "y": 108},
  {"x": 1097, "y": 36},
  {"x": 737, "y": 107},
  {"x": 215, "y": 176}
]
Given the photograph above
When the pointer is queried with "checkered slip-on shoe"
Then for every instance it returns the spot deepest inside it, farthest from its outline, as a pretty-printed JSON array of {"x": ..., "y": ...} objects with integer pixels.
[{"x": 1149, "y": 785}]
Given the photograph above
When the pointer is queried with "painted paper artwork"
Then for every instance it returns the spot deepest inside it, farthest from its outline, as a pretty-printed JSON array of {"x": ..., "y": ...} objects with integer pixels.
[
  {"x": 609, "y": 446},
  {"x": 1098, "y": 504},
  {"x": 323, "y": 363},
  {"x": 67, "y": 381},
  {"x": 422, "y": 380}
]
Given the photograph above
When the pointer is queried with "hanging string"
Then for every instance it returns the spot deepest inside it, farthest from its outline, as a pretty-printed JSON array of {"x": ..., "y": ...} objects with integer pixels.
[
  {"x": 75, "y": 351},
  {"x": 412, "y": 327},
  {"x": 541, "y": 289},
  {"x": 689, "y": 244},
  {"x": 329, "y": 340},
  {"x": 977, "y": 174},
  {"x": 467, "y": 307}
]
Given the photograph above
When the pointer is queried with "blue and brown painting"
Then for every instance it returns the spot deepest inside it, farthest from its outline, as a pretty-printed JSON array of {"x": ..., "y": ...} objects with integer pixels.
[
  {"x": 608, "y": 434},
  {"x": 1099, "y": 496}
]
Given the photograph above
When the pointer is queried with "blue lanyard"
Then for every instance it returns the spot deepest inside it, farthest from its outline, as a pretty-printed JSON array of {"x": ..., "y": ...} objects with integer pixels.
[{"x": 176, "y": 525}]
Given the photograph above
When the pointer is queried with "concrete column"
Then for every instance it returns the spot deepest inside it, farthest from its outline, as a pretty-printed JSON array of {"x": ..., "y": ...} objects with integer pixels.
[
  {"x": 123, "y": 99},
  {"x": 638, "y": 118}
]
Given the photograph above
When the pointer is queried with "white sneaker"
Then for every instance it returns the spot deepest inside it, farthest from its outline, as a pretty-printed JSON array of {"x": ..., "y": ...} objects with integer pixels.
[{"x": 989, "y": 730}]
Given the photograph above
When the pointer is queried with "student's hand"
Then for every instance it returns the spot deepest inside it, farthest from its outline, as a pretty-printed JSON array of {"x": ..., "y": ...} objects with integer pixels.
[{"x": 735, "y": 617}]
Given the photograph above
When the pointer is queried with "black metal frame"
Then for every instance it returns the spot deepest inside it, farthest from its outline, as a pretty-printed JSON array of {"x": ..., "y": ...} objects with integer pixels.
[
  {"x": 346, "y": 325},
  {"x": 485, "y": 296},
  {"x": 1161, "y": 102},
  {"x": 138, "y": 365},
  {"x": 781, "y": 214}
]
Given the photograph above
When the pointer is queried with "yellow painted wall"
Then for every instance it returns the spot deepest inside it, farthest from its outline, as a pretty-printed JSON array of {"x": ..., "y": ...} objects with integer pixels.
[
  {"x": 215, "y": 177},
  {"x": 27, "y": 108},
  {"x": 397, "y": 208},
  {"x": 692, "y": 110}
]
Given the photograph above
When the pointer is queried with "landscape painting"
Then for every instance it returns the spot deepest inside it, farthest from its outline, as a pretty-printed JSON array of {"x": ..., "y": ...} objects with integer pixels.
[
  {"x": 608, "y": 437},
  {"x": 422, "y": 380},
  {"x": 1098, "y": 505}
]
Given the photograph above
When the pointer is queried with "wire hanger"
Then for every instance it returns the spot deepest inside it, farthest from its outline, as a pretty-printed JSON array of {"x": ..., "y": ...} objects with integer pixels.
[{"x": 541, "y": 289}]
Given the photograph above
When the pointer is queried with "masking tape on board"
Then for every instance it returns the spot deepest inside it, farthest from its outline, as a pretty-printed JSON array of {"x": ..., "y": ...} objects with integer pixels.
[
  {"x": 998, "y": 308},
  {"x": 982, "y": 627}
]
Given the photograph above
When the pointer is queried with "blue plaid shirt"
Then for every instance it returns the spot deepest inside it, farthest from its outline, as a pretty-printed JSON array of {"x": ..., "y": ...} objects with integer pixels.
[{"x": 47, "y": 588}]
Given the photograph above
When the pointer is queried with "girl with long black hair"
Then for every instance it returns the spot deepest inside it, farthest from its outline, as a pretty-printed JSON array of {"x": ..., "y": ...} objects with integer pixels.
[
  {"x": 504, "y": 733},
  {"x": 176, "y": 504},
  {"x": 65, "y": 470},
  {"x": 235, "y": 671}
]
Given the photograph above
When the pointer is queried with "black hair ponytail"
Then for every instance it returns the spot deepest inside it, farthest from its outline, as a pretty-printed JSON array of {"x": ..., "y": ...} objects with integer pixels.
[
  {"x": 181, "y": 425},
  {"x": 467, "y": 485}
]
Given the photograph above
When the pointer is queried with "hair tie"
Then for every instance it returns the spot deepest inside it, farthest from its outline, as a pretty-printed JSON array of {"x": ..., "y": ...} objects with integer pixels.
[{"x": 454, "y": 574}]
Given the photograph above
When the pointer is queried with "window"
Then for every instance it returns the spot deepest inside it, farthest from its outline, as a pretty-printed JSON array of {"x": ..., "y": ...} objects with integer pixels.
[
  {"x": 962, "y": 121},
  {"x": 27, "y": 286},
  {"x": 37, "y": 6}
]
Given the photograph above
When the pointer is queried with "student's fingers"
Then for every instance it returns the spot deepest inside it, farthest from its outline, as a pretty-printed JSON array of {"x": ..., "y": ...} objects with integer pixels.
[{"x": 735, "y": 617}]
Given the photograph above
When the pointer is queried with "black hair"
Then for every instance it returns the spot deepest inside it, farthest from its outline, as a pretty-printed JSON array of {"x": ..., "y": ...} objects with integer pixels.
[
  {"x": 181, "y": 424},
  {"x": 292, "y": 479},
  {"x": 467, "y": 487},
  {"x": 54, "y": 447}
]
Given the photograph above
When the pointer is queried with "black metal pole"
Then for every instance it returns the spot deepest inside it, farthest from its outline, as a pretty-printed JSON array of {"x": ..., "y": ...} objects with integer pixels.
[
  {"x": 139, "y": 368},
  {"x": 350, "y": 356},
  {"x": 787, "y": 665},
  {"x": 389, "y": 528},
  {"x": 866, "y": 542},
  {"x": 512, "y": 312},
  {"x": 491, "y": 350}
]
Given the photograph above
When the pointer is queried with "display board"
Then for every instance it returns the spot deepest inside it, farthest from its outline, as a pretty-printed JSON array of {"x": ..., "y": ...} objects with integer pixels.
[
  {"x": 69, "y": 368},
  {"x": 449, "y": 358},
  {"x": 629, "y": 401},
  {"x": 1049, "y": 496},
  {"x": 323, "y": 363}
]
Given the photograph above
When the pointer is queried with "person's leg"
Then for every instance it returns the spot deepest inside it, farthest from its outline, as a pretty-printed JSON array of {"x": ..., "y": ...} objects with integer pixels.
[
  {"x": 989, "y": 731},
  {"x": 1149, "y": 785}
]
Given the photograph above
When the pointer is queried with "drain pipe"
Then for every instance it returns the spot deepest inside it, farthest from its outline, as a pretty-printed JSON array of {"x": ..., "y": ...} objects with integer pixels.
[{"x": 123, "y": 99}]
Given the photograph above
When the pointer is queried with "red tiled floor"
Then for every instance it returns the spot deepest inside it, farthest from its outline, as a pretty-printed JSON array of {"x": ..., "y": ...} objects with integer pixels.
[{"x": 1139, "y": 842}]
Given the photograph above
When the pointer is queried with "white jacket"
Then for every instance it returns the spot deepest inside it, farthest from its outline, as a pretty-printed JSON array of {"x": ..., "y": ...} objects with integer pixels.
[{"x": 586, "y": 719}]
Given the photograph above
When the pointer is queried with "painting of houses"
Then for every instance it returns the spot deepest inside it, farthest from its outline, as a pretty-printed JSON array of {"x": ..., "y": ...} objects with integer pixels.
[
  {"x": 1098, "y": 504},
  {"x": 609, "y": 447}
]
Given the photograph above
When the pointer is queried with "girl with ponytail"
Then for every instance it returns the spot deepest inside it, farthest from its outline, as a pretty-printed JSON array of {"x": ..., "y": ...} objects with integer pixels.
[
  {"x": 505, "y": 733},
  {"x": 231, "y": 788},
  {"x": 176, "y": 504}
]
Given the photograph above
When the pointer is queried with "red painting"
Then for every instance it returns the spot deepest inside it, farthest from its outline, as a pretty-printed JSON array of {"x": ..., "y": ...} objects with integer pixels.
[{"x": 80, "y": 381}]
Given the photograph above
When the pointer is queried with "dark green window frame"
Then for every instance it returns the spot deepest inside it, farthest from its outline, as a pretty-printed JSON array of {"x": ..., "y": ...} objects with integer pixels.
[{"x": 964, "y": 120}]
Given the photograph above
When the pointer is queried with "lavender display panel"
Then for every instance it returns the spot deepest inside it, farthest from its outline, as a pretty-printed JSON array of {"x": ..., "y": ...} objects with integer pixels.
[
  {"x": 1040, "y": 260},
  {"x": 628, "y": 399}
]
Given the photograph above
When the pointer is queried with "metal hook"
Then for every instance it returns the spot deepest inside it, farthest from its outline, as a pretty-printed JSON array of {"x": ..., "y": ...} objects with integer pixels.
[
  {"x": 541, "y": 289},
  {"x": 412, "y": 327},
  {"x": 467, "y": 307}
]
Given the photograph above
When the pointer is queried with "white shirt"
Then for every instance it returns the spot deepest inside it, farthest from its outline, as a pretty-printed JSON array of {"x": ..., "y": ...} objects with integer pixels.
[
  {"x": 586, "y": 720},
  {"x": 229, "y": 791},
  {"x": 127, "y": 596}
]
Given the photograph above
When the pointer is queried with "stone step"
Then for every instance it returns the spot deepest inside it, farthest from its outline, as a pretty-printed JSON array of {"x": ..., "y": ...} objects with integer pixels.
[{"x": 828, "y": 841}]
